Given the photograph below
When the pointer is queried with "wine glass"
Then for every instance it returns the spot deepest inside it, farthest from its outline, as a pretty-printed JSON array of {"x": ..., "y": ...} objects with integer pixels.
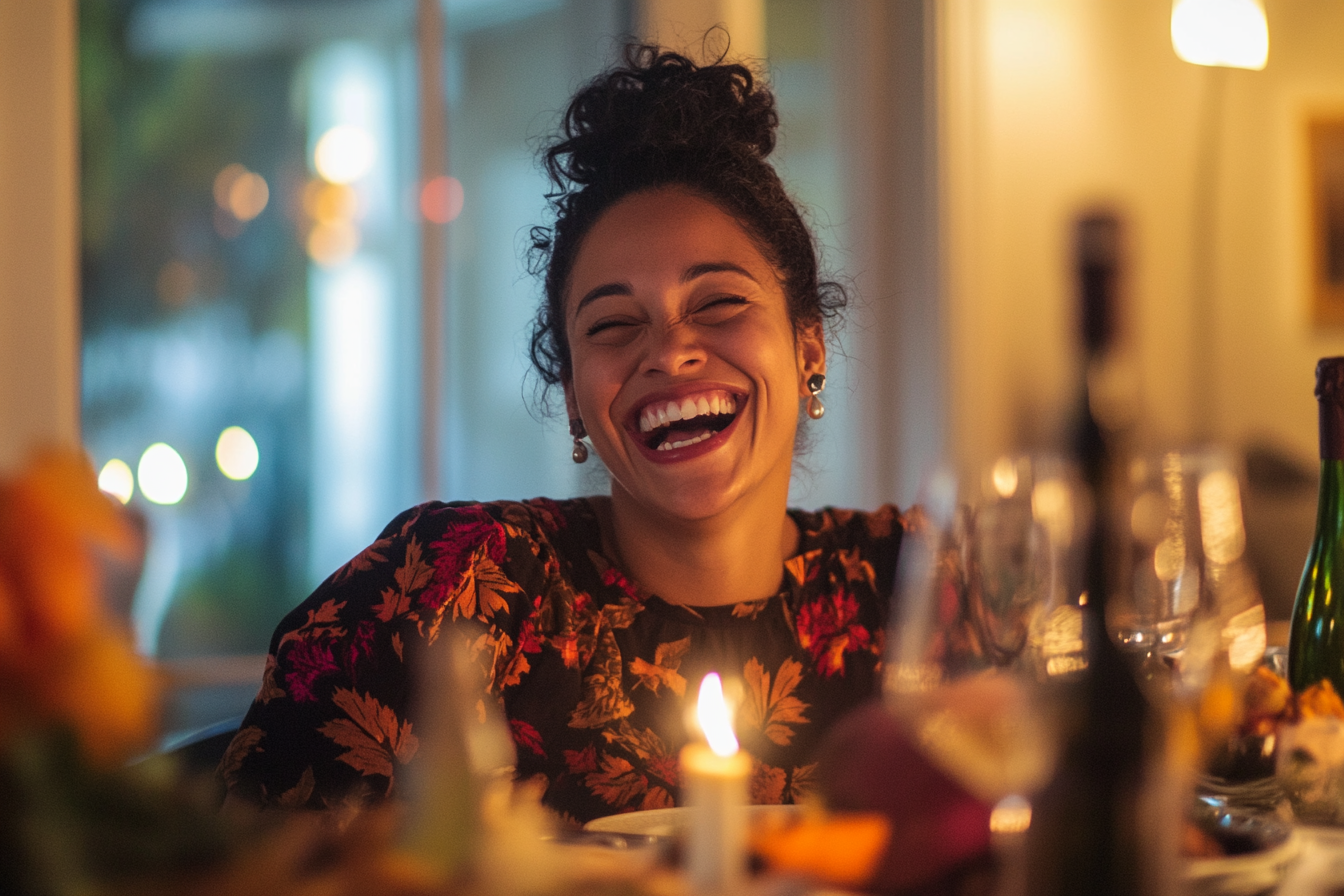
[
  {"x": 1186, "y": 600},
  {"x": 987, "y": 612}
]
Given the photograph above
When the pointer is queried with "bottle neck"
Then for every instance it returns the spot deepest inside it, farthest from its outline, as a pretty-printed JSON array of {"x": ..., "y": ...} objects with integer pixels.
[{"x": 1332, "y": 430}]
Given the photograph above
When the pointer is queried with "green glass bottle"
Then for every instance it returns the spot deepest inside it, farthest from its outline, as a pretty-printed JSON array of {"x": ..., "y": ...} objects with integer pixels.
[{"x": 1316, "y": 637}]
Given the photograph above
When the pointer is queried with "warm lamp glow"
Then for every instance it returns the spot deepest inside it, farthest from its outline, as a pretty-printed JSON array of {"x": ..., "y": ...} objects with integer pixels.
[
  {"x": 116, "y": 480},
  {"x": 1231, "y": 33},
  {"x": 162, "y": 474},
  {"x": 715, "y": 721},
  {"x": 236, "y": 453}
]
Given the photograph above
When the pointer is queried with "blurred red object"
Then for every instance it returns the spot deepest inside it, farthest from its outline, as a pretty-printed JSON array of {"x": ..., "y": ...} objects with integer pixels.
[{"x": 939, "y": 832}]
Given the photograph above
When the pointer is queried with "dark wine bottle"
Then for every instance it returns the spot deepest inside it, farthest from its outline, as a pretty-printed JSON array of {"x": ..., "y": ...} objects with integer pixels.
[
  {"x": 1104, "y": 825},
  {"x": 1316, "y": 636}
]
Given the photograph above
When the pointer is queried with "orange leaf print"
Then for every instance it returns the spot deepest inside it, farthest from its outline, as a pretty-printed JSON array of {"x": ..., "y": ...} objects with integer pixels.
[
  {"x": 750, "y": 609},
  {"x": 397, "y": 645},
  {"x": 657, "y": 798},
  {"x": 803, "y": 782},
  {"x": 297, "y": 796},
  {"x": 644, "y": 743},
  {"x": 496, "y": 646},
  {"x": 773, "y": 709},
  {"x": 482, "y": 590},
  {"x": 269, "y": 689},
  {"x": 796, "y": 566},
  {"x": 394, "y": 603},
  {"x": 319, "y": 622},
  {"x": 513, "y": 673},
  {"x": 663, "y": 669},
  {"x": 605, "y": 701},
  {"x": 621, "y": 615},
  {"x": 856, "y": 568},
  {"x": 243, "y": 744},
  {"x": 372, "y": 735},
  {"x": 616, "y": 782},
  {"x": 414, "y": 573},
  {"x": 374, "y": 553}
]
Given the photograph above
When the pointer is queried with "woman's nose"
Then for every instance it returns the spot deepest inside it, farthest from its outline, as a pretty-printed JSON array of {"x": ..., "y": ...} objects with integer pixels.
[{"x": 675, "y": 348}]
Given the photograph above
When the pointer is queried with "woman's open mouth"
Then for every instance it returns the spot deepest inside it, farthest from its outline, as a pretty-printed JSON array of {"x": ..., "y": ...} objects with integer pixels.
[{"x": 668, "y": 425}]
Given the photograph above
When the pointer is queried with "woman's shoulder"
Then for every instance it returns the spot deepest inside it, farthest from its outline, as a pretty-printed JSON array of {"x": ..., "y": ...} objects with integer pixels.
[{"x": 466, "y": 529}]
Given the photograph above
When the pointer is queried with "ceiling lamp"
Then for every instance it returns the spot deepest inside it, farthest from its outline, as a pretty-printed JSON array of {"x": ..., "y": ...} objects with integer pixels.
[{"x": 1231, "y": 33}]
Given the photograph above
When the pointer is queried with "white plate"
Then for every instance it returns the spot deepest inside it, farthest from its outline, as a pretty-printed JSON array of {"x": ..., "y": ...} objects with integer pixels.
[
  {"x": 1243, "y": 875},
  {"x": 671, "y": 822}
]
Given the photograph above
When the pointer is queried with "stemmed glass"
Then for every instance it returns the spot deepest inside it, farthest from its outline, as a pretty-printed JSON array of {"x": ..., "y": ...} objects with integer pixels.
[
  {"x": 987, "y": 612},
  {"x": 1186, "y": 600}
]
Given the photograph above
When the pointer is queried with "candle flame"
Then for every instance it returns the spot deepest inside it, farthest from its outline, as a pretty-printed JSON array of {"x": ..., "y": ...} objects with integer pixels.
[{"x": 712, "y": 711}]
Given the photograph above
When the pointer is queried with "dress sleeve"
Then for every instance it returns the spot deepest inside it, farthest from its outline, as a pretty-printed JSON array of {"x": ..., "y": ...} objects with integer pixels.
[{"x": 336, "y": 720}]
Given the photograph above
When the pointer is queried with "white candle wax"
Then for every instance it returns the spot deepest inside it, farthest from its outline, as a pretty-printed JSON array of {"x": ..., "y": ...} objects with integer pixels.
[
  {"x": 714, "y": 782},
  {"x": 716, "y": 792}
]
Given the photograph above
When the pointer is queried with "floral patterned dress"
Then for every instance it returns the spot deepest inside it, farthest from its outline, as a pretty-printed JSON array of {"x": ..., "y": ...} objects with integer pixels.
[{"x": 593, "y": 674}]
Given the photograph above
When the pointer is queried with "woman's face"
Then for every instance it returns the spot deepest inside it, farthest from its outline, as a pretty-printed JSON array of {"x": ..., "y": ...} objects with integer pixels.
[{"x": 686, "y": 369}]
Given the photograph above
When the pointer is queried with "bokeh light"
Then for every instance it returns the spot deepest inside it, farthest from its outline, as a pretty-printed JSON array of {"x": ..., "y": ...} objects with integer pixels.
[
  {"x": 344, "y": 154},
  {"x": 327, "y": 203},
  {"x": 236, "y": 453},
  {"x": 224, "y": 181},
  {"x": 441, "y": 199},
  {"x": 116, "y": 479},
  {"x": 248, "y": 196},
  {"x": 162, "y": 474},
  {"x": 331, "y": 243}
]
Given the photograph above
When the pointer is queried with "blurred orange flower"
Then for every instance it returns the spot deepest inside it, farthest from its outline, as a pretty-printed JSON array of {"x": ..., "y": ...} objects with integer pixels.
[{"x": 66, "y": 658}]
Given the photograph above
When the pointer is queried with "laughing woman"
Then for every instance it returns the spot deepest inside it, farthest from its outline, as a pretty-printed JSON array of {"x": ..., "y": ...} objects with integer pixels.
[{"x": 685, "y": 322}]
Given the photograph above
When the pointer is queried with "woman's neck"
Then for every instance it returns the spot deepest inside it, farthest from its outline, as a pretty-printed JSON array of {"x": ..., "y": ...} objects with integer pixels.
[{"x": 733, "y": 557}]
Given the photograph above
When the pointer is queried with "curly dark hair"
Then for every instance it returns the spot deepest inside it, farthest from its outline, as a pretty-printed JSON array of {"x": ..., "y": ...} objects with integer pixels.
[{"x": 660, "y": 120}]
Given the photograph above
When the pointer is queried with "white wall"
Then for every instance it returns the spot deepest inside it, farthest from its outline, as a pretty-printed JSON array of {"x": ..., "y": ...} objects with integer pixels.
[
  {"x": 1051, "y": 105},
  {"x": 39, "y": 305}
]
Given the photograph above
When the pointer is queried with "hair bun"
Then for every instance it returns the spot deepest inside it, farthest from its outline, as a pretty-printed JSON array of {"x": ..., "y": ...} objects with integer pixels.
[{"x": 661, "y": 105}]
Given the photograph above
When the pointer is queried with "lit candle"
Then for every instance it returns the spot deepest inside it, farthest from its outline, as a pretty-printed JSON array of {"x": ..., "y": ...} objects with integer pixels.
[{"x": 714, "y": 776}]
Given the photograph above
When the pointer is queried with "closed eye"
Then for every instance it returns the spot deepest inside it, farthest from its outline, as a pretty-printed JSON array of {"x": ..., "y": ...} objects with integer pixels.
[
  {"x": 610, "y": 329},
  {"x": 719, "y": 309}
]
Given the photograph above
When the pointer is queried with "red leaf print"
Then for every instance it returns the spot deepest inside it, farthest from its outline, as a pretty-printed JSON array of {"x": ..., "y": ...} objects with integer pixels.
[
  {"x": 826, "y": 629},
  {"x": 475, "y": 533},
  {"x": 524, "y": 735},
  {"x": 666, "y": 768},
  {"x": 361, "y": 645},
  {"x": 310, "y": 660},
  {"x": 581, "y": 761}
]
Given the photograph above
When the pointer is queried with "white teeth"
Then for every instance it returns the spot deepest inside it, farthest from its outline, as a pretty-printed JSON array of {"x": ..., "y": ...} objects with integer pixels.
[
  {"x": 652, "y": 417},
  {"x": 668, "y": 446}
]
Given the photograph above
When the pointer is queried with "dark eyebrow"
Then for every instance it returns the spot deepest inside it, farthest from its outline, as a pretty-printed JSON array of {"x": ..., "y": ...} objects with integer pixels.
[
  {"x": 691, "y": 273},
  {"x": 714, "y": 267},
  {"x": 597, "y": 292}
]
